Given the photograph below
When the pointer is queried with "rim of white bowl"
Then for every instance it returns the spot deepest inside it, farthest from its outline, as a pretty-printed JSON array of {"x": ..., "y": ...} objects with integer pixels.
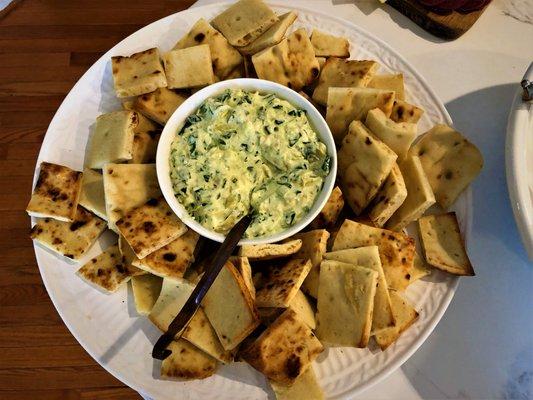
[{"x": 191, "y": 104}]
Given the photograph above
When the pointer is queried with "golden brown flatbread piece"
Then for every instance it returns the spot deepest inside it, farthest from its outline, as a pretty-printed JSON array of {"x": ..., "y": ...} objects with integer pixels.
[
  {"x": 187, "y": 362},
  {"x": 160, "y": 104},
  {"x": 190, "y": 67}
]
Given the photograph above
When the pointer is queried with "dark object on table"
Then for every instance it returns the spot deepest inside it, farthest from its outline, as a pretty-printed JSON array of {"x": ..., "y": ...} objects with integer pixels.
[{"x": 446, "y": 19}]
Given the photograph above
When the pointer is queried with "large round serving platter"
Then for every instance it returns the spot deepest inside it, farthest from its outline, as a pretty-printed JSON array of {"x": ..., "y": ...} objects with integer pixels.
[{"x": 108, "y": 327}]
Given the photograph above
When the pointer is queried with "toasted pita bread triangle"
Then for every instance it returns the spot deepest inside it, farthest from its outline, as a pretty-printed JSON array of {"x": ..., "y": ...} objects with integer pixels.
[
  {"x": 388, "y": 198},
  {"x": 189, "y": 67},
  {"x": 306, "y": 387},
  {"x": 420, "y": 269},
  {"x": 450, "y": 161},
  {"x": 256, "y": 252},
  {"x": 419, "y": 195},
  {"x": 56, "y": 193},
  {"x": 127, "y": 186},
  {"x": 404, "y": 314},
  {"x": 368, "y": 257},
  {"x": 137, "y": 74},
  {"x": 392, "y": 82},
  {"x": 331, "y": 210},
  {"x": 405, "y": 112},
  {"x": 442, "y": 244},
  {"x": 397, "y": 135},
  {"x": 396, "y": 250},
  {"x": 338, "y": 72},
  {"x": 146, "y": 289},
  {"x": 187, "y": 362},
  {"x": 245, "y": 269},
  {"x": 299, "y": 304},
  {"x": 272, "y": 36},
  {"x": 160, "y": 104},
  {"x": 225, "y": 57},
  {"x": 345, "y": 304},
  {"x": 92, "y": 195},
  {"x": 285, "y": 350},
  {"x": 347, "y": 104},
  {"x": 70, "y": 239},
  {"x": 244, "y": 21},
  {"x": 326, "y": 45}
]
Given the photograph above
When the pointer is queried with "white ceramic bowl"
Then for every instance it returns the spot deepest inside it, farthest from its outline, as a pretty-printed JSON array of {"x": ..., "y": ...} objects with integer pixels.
[{"x": 190, "y": 105}]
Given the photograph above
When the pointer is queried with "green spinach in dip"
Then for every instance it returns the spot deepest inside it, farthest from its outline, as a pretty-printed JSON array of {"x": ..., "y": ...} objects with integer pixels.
[{"x": 246, "y": 151}]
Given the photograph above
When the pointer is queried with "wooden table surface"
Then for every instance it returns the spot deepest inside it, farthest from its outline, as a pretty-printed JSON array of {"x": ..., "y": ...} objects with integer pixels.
[{"x": 45, "y": 47}]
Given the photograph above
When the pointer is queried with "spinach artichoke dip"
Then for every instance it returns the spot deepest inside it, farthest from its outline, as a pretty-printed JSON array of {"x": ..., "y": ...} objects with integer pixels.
[{"x": 247, "y": 152}]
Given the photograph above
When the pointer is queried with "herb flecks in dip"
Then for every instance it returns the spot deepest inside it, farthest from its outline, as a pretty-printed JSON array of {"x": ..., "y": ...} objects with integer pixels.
[{"x": 245, "y": 151}]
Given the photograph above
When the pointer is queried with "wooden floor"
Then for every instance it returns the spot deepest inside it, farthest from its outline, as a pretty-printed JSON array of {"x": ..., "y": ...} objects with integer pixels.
[{"x": 45, "y": 46}]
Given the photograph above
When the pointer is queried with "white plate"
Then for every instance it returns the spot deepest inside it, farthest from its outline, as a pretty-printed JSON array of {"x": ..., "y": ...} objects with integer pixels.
[
  {"x": 519, "y": 164},
  {"x": 107, "y": 325}
]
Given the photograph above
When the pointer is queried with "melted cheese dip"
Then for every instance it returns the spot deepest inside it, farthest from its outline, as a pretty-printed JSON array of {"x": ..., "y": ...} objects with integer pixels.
[{"x": 245, "y": 151}]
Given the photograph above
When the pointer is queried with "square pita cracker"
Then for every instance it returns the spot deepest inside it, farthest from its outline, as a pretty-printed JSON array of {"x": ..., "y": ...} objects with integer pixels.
[
  {"x": 443, "y": 245},
  {"x": 368, "y": 257},
  {"x": 174, "y": 294},
  {"x": 389, "y": 198},
  {"x": 187, "y": 362},
  {"x": 313, "y": 248},
  {"x": 345, "y": 303},
  {"x": 450, "y": 161},
  {"x": 392, "y": 82},
  {"x": 230, "y": 307},
  {"x": 56, "y": 193},
  {"x": 138, "y": 74},
  {"x": 338, "y": 72},
  {"x": 396, "y": 250},
  {"x": 419, "y": 195},
  {"x": 397, "y": 135},
  {"x": 326, "y": 45},
  {"x": 112, "y": 139},
  {"x": 244, "y": 21},
  {"x": 364, "y": 164},
  {"x": 160, "y": 104},
  {"x": 146, "y": 289},
  {"x": 224, "y": 56},
  {"x": 347, "y": 104},
  {"x": 404, "y": 314},
  {"x": 331, "y": 210},
  {"x": 151, "y": 226},
  {"x": 285, "y": 350},
  {"x": 70, "y": 239},
  {"x": 173, "y": 259},
  {"x": 291, "y": 62},
  {"x": 405, "y": 112},
  {"x": 127, "y": 186},
  {"x": 257, "y": 252},
  {"x": 92, "y": 193},
  {"x": 189, "y": 67},
  {"x": 108, "y": 270},
  {"x": 272, "y": 36},
  {"x": 283, "y": 283},
  {"x": 306, "y": 387},
  {"x": 245, "y": 269}
]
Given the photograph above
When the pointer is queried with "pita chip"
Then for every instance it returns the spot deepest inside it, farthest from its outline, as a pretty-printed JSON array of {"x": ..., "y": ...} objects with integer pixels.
[
  {"x": 368, "y": 257},
  {"x": 326, "y": 45},
  {"x": 189, "y": 67},
  {"x": 397, "y": 135},
  {"x": 283, "y": 283},
  {"x": 285, "y": 350},
  {"x": 306, "y": 387},
  {"x": 187, "y": 362},
  {"x": 127, "y": 186},
  {"x": 449, "y": 160},
  {"x": 272, "y": 36},
  {"x": 160, "y": 104},
  {"x": 443, "y": 245},
  {"x": 92, "y": 195},
  {"x": 392, "y": 82},
  {"x": 347, "y": 104},
  {"x": 419, "y": 195},
  {"x": 396, "y": 250},
  {"x": 404, "y": 314},
  {"x": 145, "y": 139},
  {"x": 405, "y": 112},
  {"x": 244, "y": 21},
  {"x": 338, "y": 72},
  {"x": 138, "y": 74},
  {"x": 257, "y": 252},
  {"x": 56, "y": 193},
  {"x": 299, "y": 304},
  {"x": 291, "y": 62},
  {"x": 146, "y": 289},
  {"x": 345, "y": 304},
  {"x": 70, "y": 239},
  {"x": 331, "y": 211},
  {"x": 420, "y": 269},
  {"x": 389, "y": 198},
  {"x": 245, "y": 269}
]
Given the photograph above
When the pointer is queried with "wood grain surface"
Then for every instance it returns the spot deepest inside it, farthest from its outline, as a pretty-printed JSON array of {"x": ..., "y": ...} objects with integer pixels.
[{"x": 45, "y": 47}]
